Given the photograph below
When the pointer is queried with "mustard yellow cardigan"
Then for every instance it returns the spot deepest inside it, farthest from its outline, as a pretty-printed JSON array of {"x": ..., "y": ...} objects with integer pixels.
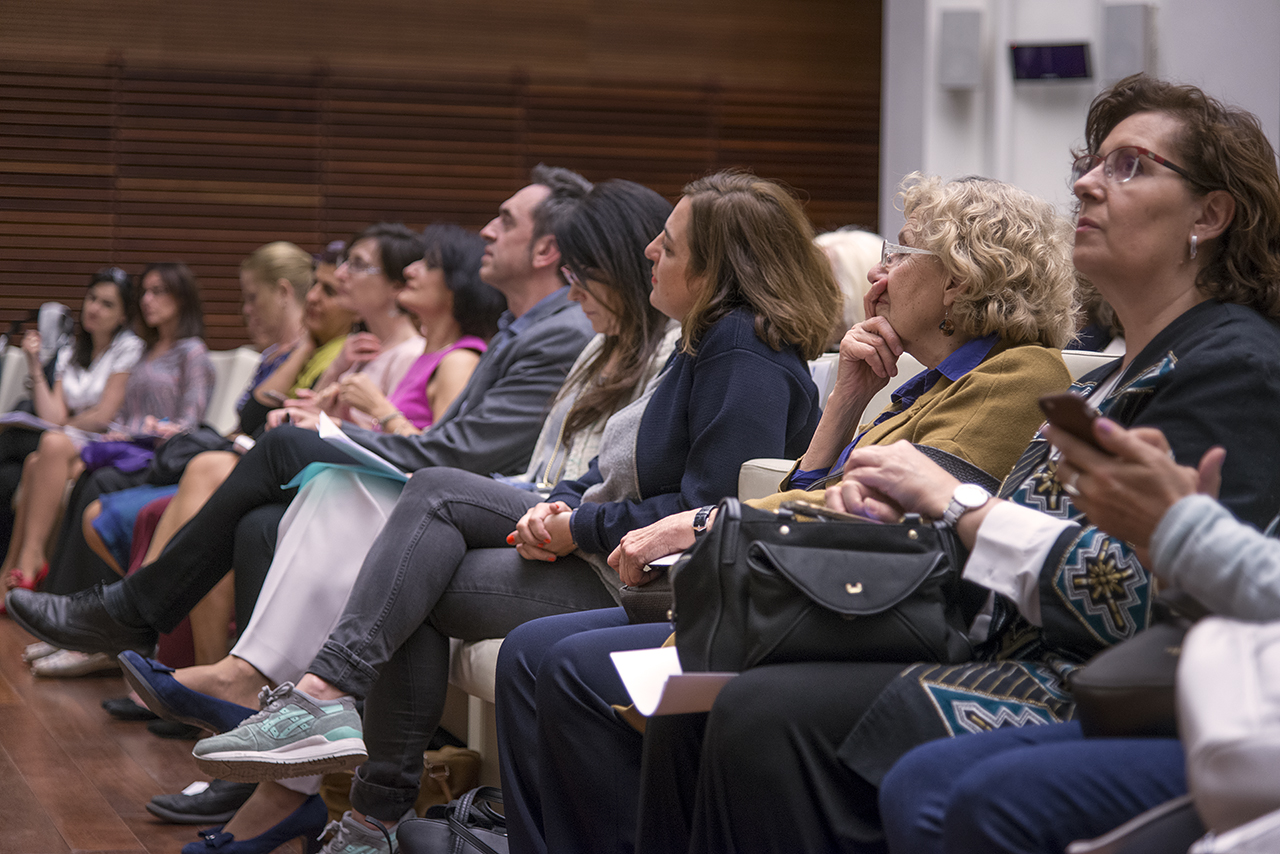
[{"x": 987, "y": 417}]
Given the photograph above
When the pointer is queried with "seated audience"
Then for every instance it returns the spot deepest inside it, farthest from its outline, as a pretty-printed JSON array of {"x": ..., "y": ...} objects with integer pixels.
[
  {"x": 337, "y": 516},
  {"x": 90, "y": 374},
  {"x": 385, "y": 354},
  {"x": 735, "y": 264},
  {"x": 166, "y": 392},
  {"x": 1179, "y": 217},
  {"x": 490, "y": 427},
  {"x": 986, "y": 335}
]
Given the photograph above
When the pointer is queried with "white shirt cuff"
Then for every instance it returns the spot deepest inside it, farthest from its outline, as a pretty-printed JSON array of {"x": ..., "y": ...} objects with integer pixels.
[{"x": 1012, "y": 546}]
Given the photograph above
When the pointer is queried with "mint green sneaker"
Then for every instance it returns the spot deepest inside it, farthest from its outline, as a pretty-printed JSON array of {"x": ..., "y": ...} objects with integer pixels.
[
  {"x": 294, "y": 735},
  {"x": 351, "y": 836}
]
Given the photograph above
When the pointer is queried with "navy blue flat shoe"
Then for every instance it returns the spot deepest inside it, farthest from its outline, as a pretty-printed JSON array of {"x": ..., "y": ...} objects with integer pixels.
[
  {"x": 307, "y": 821},
  {"x": 173, "y": 701}
]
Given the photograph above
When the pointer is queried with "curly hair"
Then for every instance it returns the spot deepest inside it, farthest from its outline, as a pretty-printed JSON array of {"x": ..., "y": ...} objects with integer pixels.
[
  {"x": 1223, "y": 148},
  {"x": 751, "y": 240},
  {"x": 1010, "y": 250}
]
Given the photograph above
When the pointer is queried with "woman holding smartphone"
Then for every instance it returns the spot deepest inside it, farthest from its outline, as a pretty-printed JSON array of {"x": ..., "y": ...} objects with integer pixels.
[{"x": 1178, "y": 228}]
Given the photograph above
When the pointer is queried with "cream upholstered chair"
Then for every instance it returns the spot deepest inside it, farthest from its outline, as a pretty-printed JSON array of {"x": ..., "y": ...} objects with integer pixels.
[{"x": 232, "y": 369}]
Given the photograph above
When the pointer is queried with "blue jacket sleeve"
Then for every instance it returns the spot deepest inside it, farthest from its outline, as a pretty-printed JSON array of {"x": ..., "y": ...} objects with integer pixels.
[{"x": 741, "y": 405}]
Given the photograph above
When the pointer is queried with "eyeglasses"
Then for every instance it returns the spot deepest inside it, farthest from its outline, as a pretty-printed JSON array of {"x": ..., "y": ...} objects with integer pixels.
[
  {"x": 570, "y": 276},
  {"x": 1121, "y": 164},
  {"x": 361, "y": 267},
  {"x": 893, "y": 253}
]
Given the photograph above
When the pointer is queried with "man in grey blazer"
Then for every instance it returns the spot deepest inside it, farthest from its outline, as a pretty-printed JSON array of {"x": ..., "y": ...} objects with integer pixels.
[{"x": 491, "y": 427}]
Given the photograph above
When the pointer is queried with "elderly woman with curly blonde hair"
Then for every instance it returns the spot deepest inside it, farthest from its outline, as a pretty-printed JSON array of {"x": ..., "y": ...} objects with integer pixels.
[{"x": 981, "y": 291}]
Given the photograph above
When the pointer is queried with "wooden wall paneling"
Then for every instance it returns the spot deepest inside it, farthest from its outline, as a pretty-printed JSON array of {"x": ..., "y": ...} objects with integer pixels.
[
  {"x": 128, "y": 163},
  {"x": 211, "y": 166}
]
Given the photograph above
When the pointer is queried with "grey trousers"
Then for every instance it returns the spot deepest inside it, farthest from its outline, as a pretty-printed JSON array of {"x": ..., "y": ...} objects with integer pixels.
[{"x": 441, "y": 568}]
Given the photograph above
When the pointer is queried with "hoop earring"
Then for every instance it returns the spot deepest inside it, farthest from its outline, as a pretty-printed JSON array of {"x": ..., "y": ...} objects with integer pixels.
[
  {"x": 1193, "y": 247},
  {"x": 946, "y": 326}
]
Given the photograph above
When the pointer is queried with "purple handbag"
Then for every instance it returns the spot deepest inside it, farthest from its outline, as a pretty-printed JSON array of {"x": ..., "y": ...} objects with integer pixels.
[{"x": 125, "y": 456}]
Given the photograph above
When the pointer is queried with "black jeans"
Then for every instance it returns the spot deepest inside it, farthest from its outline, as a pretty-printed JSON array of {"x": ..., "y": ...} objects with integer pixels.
[{"x": 162, "y": 592}]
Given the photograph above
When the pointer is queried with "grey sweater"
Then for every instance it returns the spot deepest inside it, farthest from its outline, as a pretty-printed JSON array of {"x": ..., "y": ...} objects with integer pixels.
[{"x": 1229, "y": 566}]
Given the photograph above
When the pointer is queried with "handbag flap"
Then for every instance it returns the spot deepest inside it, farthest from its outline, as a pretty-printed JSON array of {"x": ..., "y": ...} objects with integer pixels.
[{"x": 848, "y": 583}]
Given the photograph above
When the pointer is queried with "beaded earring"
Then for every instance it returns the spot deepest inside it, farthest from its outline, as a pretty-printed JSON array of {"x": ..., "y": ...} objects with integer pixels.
[{"x": 948, "y": 328}]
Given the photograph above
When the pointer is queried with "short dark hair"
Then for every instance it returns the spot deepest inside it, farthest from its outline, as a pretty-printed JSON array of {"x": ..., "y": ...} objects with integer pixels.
[
  {"x": 567, "y": 188},
  {"x": 124, "y": 285},
  {"x": 604, "y": 240},
  {"x": 398, "y": 247},
  {"x": 1223, "y": 148},
  {"x": 457, "y": 253},
  {"x": 181, "y": 284}
]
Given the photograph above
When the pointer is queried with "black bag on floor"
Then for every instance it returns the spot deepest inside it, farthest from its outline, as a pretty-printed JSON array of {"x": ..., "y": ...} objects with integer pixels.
[{"x": 465, "y": 826}]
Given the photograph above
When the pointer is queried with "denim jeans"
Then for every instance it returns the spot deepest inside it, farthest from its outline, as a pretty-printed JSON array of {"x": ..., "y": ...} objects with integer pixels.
[
  {"x": 1025, "y": 789},
  {"x": 441, "y": 568}
]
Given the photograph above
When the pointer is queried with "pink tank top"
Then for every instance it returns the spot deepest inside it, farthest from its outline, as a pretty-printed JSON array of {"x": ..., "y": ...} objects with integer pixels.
[{"x": 410, "y": 396}]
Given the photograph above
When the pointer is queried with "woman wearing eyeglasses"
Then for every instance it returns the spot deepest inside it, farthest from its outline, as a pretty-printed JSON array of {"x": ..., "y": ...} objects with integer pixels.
[
  {"x": 369, "y": 280},
  {"x": 986, "y": 332},
  {"x": 1190, "y": 259}
]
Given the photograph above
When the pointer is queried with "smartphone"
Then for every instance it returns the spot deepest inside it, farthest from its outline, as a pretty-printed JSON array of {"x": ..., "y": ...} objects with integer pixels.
[
  {"x": 1070, "y": 412},
  {"x": 805, "y": 508}
]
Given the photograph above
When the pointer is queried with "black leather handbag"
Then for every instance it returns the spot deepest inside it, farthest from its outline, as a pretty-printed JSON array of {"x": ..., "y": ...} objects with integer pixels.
[
  {"x": 469, "y": 825},
  {"x": 765, "y": 588}
]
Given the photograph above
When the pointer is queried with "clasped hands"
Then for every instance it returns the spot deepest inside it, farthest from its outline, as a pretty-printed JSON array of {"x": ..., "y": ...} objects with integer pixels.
[{"x": 543, "y": 532}]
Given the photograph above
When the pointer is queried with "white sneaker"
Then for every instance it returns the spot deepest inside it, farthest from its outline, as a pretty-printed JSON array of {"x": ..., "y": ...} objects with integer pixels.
[
  {"x": 39, "y": 649},
  {"x": 65, "y": 663}
]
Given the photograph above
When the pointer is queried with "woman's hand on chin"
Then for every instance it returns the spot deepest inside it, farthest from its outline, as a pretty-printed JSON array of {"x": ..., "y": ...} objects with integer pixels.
[
  {"x": 869, "y": 355},
  {"x": 888, "y": 480},
  {"x": 639, "y": 547},
  {"x": 543, "y": 533}
]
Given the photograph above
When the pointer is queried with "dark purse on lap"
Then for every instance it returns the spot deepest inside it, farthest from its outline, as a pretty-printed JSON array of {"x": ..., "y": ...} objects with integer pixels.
[
  {"x": 649, "y": 603},
  {"x": 765, "y": 588},
  {"x": 172, "y": 456},
  {"x": 1128, "y": 690},
  {"x": 652, "y": 602}
]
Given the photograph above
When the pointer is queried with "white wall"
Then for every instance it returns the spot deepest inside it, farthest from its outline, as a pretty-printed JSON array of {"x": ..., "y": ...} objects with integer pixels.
[{"x": 1023, "y": 132}]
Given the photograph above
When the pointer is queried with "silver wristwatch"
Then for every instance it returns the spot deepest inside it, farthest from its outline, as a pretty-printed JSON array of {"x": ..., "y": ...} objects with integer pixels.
[{"x": 968, "y": 496}]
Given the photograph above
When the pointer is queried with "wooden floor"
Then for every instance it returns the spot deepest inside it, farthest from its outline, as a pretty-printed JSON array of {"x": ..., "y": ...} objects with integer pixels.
[{"x": 73, "y": 779}]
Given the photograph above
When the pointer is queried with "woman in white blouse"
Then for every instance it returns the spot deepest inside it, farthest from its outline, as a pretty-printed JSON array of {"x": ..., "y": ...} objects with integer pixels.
[{"x": 89, "y": 379}]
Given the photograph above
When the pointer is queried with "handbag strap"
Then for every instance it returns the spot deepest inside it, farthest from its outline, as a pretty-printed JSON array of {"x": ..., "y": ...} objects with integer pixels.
[{"x": 469, "y": 810}]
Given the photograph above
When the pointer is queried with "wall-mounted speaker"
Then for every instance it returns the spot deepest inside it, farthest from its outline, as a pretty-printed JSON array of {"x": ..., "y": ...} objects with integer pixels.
[
  {"x": 1128, "y": 40},
  {"x": 960, "y": 49}
]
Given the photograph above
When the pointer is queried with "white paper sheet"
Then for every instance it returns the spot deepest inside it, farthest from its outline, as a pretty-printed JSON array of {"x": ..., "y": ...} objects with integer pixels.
[
  {"x": 658, "y": 686},
  {"x": 333, "y": 434}
]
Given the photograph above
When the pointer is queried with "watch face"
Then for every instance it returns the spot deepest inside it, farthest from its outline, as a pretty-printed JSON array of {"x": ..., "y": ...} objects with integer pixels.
[{"x": 971, "y": 495}]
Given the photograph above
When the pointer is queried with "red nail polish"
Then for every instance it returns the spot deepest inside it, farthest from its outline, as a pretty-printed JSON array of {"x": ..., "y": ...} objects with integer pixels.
[{"x": 511, "y": 539}]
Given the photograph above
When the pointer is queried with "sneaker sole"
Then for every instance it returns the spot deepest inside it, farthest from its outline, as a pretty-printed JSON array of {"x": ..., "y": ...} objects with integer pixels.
[{"x": 295, "y": 760}]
